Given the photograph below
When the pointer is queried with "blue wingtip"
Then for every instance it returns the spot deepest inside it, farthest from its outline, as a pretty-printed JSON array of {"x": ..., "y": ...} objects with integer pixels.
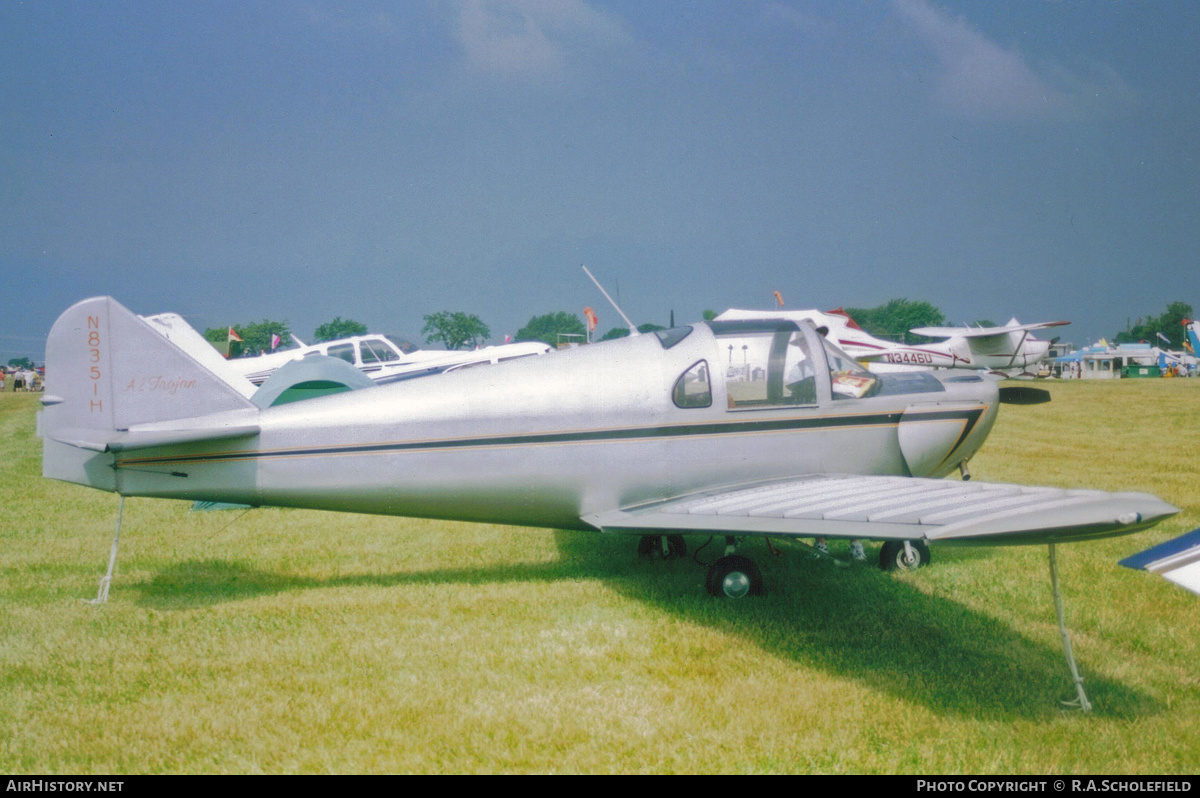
[{"x": 1163, "y": 550}]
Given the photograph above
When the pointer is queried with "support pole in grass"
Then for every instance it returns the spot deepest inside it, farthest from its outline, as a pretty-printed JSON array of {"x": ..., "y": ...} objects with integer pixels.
[
  {"x": 1082, "y": 700},
  {"x": 102, "y": 596}
]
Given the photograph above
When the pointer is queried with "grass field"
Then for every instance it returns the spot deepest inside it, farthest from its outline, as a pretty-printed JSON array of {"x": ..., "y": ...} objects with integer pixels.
[{"x": 294, "y": 641}]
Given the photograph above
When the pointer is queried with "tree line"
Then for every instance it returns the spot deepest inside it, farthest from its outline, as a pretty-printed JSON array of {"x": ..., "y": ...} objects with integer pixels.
[
  {"x": 256, "y": 338},
  {"x": 892, "y": 320},
  {"x": 1154, "y": 329}
]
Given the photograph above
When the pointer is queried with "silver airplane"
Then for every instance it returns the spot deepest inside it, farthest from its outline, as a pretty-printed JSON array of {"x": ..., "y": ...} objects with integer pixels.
[
  {"x": 739, "y": 429},
  {"x": 736, "y": 428}
]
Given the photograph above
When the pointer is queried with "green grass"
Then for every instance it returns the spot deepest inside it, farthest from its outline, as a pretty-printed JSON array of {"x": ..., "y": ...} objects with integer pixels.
[{"x": 293, "y": 641}]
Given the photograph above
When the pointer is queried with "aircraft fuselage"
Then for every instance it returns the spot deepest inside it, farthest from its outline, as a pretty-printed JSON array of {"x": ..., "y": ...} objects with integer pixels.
[{"x": 547, "y": 440}]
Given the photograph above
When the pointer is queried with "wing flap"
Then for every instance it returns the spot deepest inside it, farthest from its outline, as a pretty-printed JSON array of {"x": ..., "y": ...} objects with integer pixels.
[{"x": 894, "y": 508}]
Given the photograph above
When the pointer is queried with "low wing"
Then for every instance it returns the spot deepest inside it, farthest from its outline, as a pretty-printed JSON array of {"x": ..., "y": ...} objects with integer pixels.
[
  {"x": 1176, "y": 560},
  {"x": 983, "y": 332},
  {"x": 894, "y": 508}
]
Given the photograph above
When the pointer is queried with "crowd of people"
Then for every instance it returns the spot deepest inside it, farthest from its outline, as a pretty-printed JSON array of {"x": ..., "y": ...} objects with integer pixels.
[{"x": 13, "y": 378}]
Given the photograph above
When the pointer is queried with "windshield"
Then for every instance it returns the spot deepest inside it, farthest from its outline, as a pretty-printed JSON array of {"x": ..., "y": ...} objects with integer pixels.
[{"x": 848, "y": 380}]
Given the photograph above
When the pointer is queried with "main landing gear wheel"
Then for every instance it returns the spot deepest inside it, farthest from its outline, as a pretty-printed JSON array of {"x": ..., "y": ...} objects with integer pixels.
[
  {"x": 734, "y": 576},
  {"x": 662, "y": 547},
  {"x": 893, "y": 557}
]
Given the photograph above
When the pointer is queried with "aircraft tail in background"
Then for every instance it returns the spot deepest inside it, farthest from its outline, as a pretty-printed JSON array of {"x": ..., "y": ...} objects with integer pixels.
[
  {"x": 1193, "y": 336},
  {"x": 1176, "y": 561}
]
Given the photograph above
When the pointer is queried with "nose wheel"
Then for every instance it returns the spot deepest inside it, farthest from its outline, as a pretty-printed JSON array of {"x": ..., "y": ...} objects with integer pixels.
[
  {"x": 904, "y": 555},
  {"x": 734, "y": 576}
]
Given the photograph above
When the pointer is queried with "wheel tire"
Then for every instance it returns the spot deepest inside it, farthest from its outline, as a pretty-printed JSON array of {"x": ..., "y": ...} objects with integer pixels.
[
  {"x": 891, "y": 556},
  {"x": 650, "y": 547},
  {"x": 734, "y": 576}
]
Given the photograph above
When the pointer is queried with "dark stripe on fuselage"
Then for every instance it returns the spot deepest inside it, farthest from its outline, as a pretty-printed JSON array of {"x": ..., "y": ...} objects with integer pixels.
[{"x": 971, "y": 416}]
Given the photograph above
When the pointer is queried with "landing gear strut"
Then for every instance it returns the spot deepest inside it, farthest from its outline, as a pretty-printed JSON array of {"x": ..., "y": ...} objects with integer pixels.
[
  {"x": 1081, "y": 699},
  {"x": 662, "y": 547}
]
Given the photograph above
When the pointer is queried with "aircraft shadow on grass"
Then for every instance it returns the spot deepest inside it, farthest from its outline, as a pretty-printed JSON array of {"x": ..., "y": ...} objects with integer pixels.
[{"x": 858, "y": 623}]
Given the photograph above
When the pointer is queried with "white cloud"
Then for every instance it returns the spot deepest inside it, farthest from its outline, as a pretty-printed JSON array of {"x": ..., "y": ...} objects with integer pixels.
[
  {"x": 533, "y": 38},
  {"x": 981, "y": 79}
]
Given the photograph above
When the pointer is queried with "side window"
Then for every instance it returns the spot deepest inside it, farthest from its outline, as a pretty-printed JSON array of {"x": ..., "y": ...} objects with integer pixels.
[
  {"x": 344, "y": 351},
  {"x": 377, "y": 352},
  {"x": 746, "y": 360},
  {"x": 693, "y": 388}
]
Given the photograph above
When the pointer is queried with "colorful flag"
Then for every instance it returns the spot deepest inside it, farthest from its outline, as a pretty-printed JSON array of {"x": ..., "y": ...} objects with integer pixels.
[
  {"x": 233, "y": 336},
  {"x": 592, "y": 318},
  {"x": 779, "y": 298},
  {"x": 274, "y": 342}
]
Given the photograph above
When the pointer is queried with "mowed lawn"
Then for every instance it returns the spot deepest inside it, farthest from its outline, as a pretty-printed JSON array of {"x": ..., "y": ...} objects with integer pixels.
[{"x": 294, "y": 641}]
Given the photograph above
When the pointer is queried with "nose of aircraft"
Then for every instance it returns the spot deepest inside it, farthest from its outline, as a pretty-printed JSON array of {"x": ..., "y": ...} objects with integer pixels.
[{"x": 936, "y": 437}]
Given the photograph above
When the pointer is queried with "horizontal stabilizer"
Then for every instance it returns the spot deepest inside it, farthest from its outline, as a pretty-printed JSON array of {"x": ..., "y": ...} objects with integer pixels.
[
  {"x": 217, "y": 427},
  {"x": 1176, "y": 560},
  {"x": 895, "y": 508}
]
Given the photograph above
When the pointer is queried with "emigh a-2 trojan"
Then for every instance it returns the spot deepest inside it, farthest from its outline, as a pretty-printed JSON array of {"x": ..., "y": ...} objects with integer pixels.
[{"x": 653, "y": 435}]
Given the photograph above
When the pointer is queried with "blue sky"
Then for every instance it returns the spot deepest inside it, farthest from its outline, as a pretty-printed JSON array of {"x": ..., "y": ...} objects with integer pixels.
[{"x": 381, "y": 161}]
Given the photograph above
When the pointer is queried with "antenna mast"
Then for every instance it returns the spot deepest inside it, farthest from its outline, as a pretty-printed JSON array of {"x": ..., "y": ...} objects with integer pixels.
[{"x": 632, "y": 330}]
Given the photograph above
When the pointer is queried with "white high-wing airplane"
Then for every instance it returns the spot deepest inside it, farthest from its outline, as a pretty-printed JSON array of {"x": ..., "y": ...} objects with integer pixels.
[
  {"x": 1001, "y": 349},
  {"x": 997, "y": 349},
  {"x": 383, "y": 360},
  {"x": 744, "y": 429}
]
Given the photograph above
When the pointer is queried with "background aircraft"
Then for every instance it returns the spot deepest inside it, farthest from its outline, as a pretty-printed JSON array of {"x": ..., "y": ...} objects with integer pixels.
[
  {"x": 381, "y": 358},
  {"x": 1193, "y": 336},
  {"x": 1177, "y": 561},
  {"x": 999, "y": 349}
]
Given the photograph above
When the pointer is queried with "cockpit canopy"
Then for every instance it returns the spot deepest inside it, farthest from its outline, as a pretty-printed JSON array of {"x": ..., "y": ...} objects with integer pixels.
[{"x": 770, "y": 363}]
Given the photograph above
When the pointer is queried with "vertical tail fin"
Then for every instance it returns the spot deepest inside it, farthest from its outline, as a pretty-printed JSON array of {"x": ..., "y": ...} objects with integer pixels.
[{"x": 108, "y": 370}]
